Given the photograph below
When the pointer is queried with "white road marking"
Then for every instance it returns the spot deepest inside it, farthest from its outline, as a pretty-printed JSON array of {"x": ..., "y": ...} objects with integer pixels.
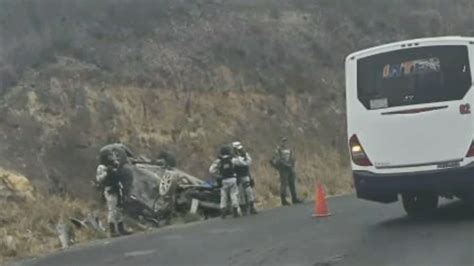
[{"x": 139, "y": 253}]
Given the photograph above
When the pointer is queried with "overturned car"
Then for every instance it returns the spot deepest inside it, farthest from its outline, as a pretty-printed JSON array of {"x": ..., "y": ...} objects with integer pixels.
[{"x": 156, "y": 191}]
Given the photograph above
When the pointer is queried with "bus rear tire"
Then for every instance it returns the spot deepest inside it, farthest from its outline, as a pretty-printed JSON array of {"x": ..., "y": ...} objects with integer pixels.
[{"x": 419, "y": 203}]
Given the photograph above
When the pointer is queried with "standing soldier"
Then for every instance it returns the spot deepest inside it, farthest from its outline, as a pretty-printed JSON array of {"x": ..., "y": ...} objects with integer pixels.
[
  {"x": 224, "y": 169},
  {"x": 246, "y": 183},
  {"x": 284, "y": 161},
  {"x": 111, "y": 175}
]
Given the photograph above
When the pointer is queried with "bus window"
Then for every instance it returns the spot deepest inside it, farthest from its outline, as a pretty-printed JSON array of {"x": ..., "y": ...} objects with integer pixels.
[{"x": 413, "y": 76}]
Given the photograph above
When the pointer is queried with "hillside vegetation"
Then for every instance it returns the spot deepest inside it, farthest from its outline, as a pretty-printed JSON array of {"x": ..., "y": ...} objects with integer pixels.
[{"x": 187, "y": 76}]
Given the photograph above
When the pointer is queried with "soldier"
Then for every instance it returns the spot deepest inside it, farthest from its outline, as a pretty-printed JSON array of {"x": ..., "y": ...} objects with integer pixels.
[
  {"x": 246, "y": 183},
  {"x": 224, "y": 169},
  {"x": 284, "y": 161},
  {"x": 112, "y": 176}
]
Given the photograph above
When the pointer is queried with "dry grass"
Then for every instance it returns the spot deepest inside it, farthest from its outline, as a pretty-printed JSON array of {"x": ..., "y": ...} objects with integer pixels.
[{"x": 28, "y": 227}]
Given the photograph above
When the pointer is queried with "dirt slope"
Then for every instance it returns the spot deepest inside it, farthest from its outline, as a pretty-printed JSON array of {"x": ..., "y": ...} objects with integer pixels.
[{"x": 189, "y": 75}]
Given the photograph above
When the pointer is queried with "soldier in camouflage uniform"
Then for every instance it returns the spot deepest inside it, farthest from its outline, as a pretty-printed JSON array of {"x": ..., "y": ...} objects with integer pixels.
[
  {"x": 114, "y": 176},
  {"x": 284, "y": 161},
  {"x": 245, "y": 181},
  {"x": 223, "y": 168}
]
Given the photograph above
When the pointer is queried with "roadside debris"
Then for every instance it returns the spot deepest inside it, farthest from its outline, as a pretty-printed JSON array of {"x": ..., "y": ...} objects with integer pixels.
[
  {"x": 91, "y": 222},
  {"x": 79, "y": 223},
  {"x": 65, "y": 233},
  {"x": 94, "y": 221}
]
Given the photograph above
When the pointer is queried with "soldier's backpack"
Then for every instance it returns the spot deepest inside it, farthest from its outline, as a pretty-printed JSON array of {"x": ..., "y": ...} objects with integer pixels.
[{"x": 226, "y": 167}]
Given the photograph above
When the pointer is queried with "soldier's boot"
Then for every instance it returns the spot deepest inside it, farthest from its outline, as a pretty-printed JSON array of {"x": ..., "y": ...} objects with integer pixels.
[
  {"x": 284, "y": 202},
  {"x": 112, "y": 230},
  {"x": 223, "y": 213},
  {"x": 122, "y": 230},
  {"x": 294, "y": 198},
  {"x": 252, "y": 208},
  {"x": 296, "y": 201},
  {"x": 235, "y": 211}
]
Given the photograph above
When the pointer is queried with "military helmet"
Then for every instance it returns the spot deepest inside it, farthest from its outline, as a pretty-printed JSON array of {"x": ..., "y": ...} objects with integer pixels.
[
  {"x": 237, "y": 145},
  {"x": 226, "y": 150}
]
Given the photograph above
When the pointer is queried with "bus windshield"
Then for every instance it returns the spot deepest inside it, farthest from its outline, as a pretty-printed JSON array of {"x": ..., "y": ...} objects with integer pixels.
[{"x": 413, "y": 76}]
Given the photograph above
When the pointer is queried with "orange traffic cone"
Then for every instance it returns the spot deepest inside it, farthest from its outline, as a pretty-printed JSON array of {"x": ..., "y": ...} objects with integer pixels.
[{"x": 320, "y": 206}]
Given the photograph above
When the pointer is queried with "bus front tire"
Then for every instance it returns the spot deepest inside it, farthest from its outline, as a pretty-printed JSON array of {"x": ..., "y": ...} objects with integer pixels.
[{"x": 420, "y": 203}]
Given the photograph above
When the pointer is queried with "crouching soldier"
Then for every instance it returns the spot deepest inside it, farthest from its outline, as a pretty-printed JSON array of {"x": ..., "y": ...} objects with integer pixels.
[
  {"x": 224, "y": 169},
  {"x": 110, "y": 176},
  {"x": 246, "y": 184}
]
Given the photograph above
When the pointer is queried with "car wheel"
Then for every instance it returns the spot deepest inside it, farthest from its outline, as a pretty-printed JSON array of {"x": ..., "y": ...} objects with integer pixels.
[
  {"x": 420, "y": 203},
  {"x": 167, "y": 193},
  {"x": 167, "y": 184}
]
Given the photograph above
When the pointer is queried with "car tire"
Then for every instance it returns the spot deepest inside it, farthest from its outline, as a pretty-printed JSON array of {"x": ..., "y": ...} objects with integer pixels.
[
  {"x": 168, "y": 184},
  {"x": 419, "y": 203},
  {"x": 167, "y": 192}
]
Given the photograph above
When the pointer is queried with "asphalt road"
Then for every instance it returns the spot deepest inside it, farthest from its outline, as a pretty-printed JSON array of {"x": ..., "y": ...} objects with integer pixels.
[{"x": 358, "y": 233}]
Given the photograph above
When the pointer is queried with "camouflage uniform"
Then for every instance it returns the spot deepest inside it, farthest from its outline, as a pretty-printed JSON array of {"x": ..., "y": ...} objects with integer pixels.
[
  {"x": 245, "y": 181},
  {"x": 111, "y": 195},
  {"x": 224, "y": 168},
  {"x": 113, "y": 174},
  {"x": 284, "y": 162},
  {"x": 246, "y": 192},
  {"x": 229, "y": 187}
]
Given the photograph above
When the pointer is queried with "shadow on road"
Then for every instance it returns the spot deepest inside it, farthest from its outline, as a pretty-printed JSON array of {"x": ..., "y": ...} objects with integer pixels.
[{"x": 452, "y": 212}]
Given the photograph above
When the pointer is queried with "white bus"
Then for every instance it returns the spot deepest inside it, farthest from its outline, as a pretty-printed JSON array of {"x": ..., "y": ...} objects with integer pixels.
[{"x": 409, "y": 121}]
